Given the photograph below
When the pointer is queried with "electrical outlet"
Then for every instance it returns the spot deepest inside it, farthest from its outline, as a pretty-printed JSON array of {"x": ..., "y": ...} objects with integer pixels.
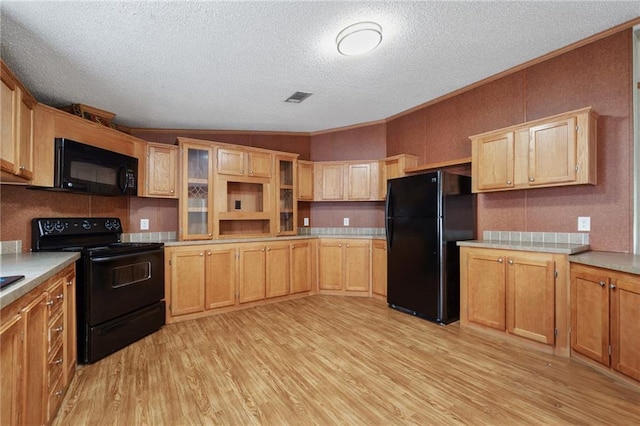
[
  {"x": 584, "y": 223},
  {"x": 345, "y": 221},
  {"x": 306, "y": 221},
  {"x": 144, "y": 224}
]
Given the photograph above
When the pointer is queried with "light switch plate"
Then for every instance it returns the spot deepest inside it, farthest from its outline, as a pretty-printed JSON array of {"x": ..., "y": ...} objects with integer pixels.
[
  {"x": 144, "y": 224},
  {"x": 345, "y": 221},
  {"x": 306, "y": 221},
  {"x": 584, "y": 223}
]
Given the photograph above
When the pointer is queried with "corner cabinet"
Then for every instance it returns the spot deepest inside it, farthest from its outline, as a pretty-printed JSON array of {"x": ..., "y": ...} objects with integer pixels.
[
  {"x": 605, "y": 306},
  {"x": 520, "y": 293},
  {"x": 16, "y": 129},
  {"x": 196, "y": 195},
  {"x": 554, "y": 151}
]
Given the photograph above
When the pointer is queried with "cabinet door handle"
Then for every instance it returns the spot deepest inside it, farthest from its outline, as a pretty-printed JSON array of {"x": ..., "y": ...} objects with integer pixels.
[
  {"x": 58, "y": 361},
  {"x": 500, "y": 260},
  {"x": 49, "y": 303},
  {"x": 70, "y": 282},
  {"x": 612, "y": 286},
  {"x": 60, "y": 296},
  {"x": 601, "y": 283}
]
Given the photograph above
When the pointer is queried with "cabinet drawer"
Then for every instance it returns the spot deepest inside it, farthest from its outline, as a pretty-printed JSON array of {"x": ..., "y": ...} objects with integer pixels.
[
  {"x": 55, "y": 367},
  {"x": 56, "y": 394},
  {"x": 55, "y": 333},
  {"x": 55, "y": 300}
]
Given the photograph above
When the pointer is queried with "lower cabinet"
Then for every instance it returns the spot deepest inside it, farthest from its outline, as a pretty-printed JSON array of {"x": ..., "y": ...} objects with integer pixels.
[
  {"x": 344, "y": 266},
  {"x": 204, "y": 279},
  {"x": 379, "y": 268},
  {"x": 605, "y": 307},
  {"x": 511, "y": 291},
  {"x": 36, "y": 360}
]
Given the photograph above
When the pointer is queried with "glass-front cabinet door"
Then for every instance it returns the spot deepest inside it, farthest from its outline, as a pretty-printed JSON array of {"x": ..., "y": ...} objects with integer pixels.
[
  {"x": 196, "y": 198},
  {"x": 287, "y": 198}
]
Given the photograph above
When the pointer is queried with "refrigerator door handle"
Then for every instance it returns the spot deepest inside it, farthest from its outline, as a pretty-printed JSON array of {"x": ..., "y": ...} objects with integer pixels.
[{"x": 388, "y": 214}]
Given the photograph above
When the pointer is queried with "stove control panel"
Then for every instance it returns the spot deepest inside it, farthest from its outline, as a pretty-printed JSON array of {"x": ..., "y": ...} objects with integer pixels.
[{"x": 76, "y": 226}]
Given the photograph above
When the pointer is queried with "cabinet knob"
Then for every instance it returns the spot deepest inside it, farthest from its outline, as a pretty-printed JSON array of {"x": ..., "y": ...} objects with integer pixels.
[
  {"x": 49, "y": 303},
  {"x": 172, "y": 191},
  {"x": 70, "y": 282},
  {"x": 59, "y": 393},
  {"x": 531, "y": 179},
  {"x": 347, "y": 245},
  {"x": 58, "y": 361},
  {"x": 508, "y": 182},
  {"x": 262, "y": 249},
  {"x": 339, "y": 245},
  {"x": 250, "y": 172},
  {"x": 208, "y": 253},
  {"x": 293, "y": 246},
  {"x": 22, "y": 167},
  {"x": 510, "y": 261},
  {"x": 201, "y": 254},
  {"x": 601, "y": 283},
  {"x": 241, "y": 172},
  {"x": 60, "y": 296},
  {"x": 500, "y": 260},
  {"x": 612, "y": 286},
  {"x": 210, "y": 234},
  {"x": 59, "y": 329}
]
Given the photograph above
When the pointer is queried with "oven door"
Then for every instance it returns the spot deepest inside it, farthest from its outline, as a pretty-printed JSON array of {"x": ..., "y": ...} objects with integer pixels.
[{"x": 120, "y": 284}]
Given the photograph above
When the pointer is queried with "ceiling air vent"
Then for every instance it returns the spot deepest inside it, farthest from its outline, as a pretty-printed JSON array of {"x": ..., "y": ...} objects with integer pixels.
[{"x": 298, "y": 97}]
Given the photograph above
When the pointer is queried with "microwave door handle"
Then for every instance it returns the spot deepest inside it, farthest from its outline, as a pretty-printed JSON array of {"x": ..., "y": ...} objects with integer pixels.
[{"x": 123, "y": 182}]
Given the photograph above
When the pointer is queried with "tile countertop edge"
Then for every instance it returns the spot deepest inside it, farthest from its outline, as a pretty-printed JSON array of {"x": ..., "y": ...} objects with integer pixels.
[
  {"x": 621, "y": 262},
  {"x": 270, "y": 239},
  {"x": 555, "y": 248},
  {"x": 36, "y": 268}
]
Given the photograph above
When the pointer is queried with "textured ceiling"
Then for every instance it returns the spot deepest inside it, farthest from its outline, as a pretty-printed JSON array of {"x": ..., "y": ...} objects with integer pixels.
[{"x": 231, "y": 65}]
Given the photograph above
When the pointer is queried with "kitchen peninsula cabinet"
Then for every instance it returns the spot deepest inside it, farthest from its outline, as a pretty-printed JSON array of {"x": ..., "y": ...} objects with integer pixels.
[
  {"x": 605, "y": 306},
  {"x": 347, "y": 181},
  {"x": 16, "y": 129},
  {"x": 161, "y": 180},
  {"x": 344, "y": 266},
  {"x": 554, "y": 151},
  {"x": 35, "y": 358},
  {"x": 510, "y": 291},
  {"x": 203, "y": 279}
]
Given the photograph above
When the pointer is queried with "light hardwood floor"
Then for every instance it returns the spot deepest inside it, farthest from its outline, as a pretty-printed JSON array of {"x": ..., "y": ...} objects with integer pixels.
[{"x": 329, "y": 360}]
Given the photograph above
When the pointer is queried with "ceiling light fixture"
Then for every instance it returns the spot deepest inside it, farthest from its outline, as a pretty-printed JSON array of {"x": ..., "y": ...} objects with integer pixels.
[{"x": 359, "y": 38}]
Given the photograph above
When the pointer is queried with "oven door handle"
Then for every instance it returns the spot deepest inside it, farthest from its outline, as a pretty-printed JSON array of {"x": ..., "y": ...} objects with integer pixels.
[{"x": 123, "y": 256}]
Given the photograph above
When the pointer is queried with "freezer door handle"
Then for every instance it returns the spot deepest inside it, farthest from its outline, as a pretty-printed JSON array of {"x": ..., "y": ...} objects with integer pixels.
[{"x": 388, "y": 224}]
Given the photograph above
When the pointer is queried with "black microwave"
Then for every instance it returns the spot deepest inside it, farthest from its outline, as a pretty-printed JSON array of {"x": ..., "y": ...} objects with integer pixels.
[{"x": 87, "y": 169}]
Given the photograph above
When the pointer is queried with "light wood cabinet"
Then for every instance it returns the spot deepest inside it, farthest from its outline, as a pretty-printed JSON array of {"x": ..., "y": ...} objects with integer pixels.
[
  {"x": 161, "y": 180},
  {"x": 301, "y": 261},
  {"x": 195, "y": 204},
  {"x": 512, "y": 291},
  {"x": 554, "y": 151},
  {"x": 345, "y": 266},
  {"x": 237, "y": 162},
  {"x": 379, "y": 268},
  {"x": 394, "y": 167},
  {"x": 70, "y": 327},
  {"x": 36, "y": 367},
  {"x": 347, "y": 181},
  {"x": 201, "y": 280},
  {"x": 16, "y": 129},
  {"x": 604, "y": 317},
  {"x": 12, "y": 398},
  {"x": 286, "y": 190},
  {"x": 305, "y": 180}
]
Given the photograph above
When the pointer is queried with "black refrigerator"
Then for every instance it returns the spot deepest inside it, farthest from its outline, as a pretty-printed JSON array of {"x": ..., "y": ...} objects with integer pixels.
[{"x": 425, "y": 215}]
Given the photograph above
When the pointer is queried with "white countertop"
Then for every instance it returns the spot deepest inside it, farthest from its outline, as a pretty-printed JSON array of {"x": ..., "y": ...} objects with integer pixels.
[{"x": 36, "y": 268}]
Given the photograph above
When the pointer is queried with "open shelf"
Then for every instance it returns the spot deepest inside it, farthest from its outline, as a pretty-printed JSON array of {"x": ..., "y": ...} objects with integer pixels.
[{"x": 244, "y": 227}]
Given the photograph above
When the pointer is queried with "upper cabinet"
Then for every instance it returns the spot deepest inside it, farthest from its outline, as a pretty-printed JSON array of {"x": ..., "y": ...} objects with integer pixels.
[
  {"x": 161, "y": 178},
  {"x": 394, "y": 167},
  {"x": 287, "y": 206},
  {"x": 237, "y": 162},
  {"x": 16, "y": 109},
  {"x": 305, "y": 180},
  {"x": 196, "y": 195},
  {"x": 347, "y": 181},
  {"x": 554, "y": 151}
]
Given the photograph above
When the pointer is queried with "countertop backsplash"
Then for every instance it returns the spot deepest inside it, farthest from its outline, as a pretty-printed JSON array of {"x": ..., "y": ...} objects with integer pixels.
[{"x": 536, "y": 237}]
